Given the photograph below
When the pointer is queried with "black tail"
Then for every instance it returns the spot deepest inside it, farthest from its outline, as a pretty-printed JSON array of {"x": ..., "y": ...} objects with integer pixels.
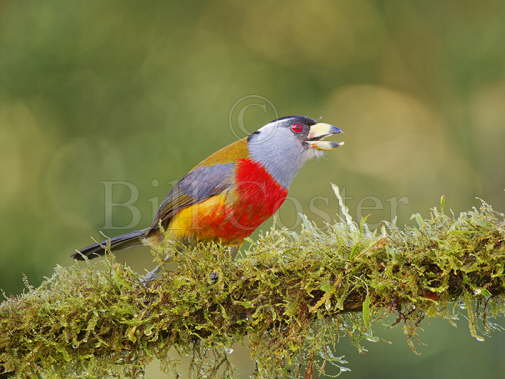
[{"x": 121, "y": 242}]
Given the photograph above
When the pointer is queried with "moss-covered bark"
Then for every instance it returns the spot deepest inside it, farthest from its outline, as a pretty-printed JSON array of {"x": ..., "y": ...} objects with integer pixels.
[{"x": 292, "y": 295}]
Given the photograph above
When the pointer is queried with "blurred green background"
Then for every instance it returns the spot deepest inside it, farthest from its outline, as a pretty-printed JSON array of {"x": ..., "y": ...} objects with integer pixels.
[{"x": 139, "y": 92}]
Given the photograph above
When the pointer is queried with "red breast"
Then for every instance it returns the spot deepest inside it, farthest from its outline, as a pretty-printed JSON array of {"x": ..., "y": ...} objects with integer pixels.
[{"x": 254, "y": 198}]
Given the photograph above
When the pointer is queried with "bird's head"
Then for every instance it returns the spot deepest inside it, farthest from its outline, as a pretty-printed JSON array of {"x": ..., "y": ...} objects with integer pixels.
[{"x": 283, "y": 145}]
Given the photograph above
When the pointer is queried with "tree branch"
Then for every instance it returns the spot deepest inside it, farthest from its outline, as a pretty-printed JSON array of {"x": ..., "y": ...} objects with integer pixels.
[{"x": 292, "y": 295}]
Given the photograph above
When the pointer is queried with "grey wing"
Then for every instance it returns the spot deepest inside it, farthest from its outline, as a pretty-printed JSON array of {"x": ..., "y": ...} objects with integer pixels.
[{"x": 197, "y": 186}]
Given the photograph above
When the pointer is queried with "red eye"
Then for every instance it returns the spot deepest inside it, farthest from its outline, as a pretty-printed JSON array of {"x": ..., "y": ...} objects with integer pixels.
[{"x": 297, "y": 128}]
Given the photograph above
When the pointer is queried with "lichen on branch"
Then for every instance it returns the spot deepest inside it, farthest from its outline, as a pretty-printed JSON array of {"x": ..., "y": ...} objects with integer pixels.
[{"x": 293, "y": 295}]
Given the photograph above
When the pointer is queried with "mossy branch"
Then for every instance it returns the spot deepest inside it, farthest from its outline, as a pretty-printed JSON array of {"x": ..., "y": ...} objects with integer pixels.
[{"x": 292, "y": 295}]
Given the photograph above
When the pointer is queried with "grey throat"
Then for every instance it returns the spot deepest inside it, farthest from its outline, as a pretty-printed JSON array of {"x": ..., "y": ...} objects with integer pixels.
[{"x": 279, "y": 152}]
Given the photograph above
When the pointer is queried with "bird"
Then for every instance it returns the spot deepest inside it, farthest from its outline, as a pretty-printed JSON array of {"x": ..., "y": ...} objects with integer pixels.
[{"x": 228, "y": 195}]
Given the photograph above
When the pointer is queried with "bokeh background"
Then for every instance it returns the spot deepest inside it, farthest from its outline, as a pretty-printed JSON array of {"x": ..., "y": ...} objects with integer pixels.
[{"x": 99, "y": 91}]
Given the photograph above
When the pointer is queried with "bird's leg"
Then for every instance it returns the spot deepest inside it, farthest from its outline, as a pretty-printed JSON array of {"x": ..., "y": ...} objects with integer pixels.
[
  {"x": 151, "y": 275},
  {"x": 214, "y": 277},
  {"x": 234, "y": 250}
]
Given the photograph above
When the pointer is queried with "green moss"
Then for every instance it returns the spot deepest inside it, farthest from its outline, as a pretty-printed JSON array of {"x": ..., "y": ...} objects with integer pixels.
[{"x": 294, "y": 295}]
